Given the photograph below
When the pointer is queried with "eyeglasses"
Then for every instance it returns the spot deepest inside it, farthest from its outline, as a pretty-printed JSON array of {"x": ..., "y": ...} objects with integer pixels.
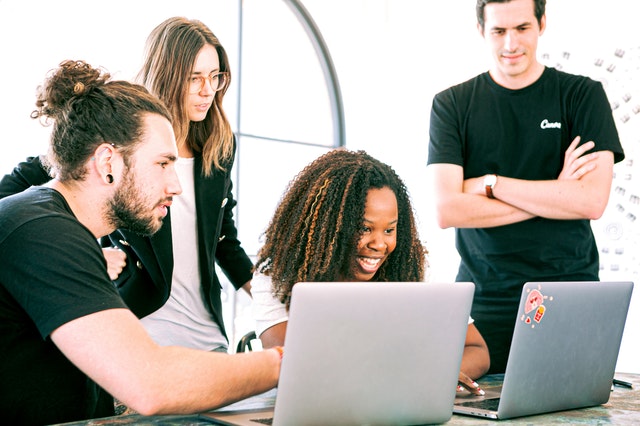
[{"x": 217, "y": 81}]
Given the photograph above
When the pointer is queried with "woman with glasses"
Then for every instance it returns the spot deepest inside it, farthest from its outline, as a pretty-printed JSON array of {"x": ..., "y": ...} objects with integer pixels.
[{"x": 187, "y": 68}]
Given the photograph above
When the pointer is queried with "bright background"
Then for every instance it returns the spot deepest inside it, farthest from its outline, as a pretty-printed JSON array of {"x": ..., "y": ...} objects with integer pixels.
[{"x": 391, "y": 57}]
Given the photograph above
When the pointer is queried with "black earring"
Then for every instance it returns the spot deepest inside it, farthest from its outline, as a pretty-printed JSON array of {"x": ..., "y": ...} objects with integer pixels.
[{"x": 109, "y": 178}]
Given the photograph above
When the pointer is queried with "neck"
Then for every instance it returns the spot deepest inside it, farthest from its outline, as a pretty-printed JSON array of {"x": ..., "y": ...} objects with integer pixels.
[
  {"x": 86, "y": 203},
  {"x": 519, "y": 81},
  {"x": 184, "y": 151}
]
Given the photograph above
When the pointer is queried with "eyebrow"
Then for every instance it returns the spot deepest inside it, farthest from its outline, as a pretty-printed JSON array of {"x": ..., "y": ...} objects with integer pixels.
[
  {"x": 524, "y": 24},
  {"x": 169, "y": 156},
  {"x": 210, "y": 72},
  {"x": 390, "y": 223}
]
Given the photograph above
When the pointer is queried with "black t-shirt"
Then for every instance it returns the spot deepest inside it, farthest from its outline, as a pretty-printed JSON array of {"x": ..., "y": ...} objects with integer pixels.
[
  {"x": 53, "y": 272},
  {"x": 486, "y": 128}
]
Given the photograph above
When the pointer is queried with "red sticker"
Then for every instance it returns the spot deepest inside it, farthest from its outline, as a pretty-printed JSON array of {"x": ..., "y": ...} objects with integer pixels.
[
  {"x": 535, "y": 305},
  {"x": 539, "y": 314},
  {"x": 534, "y": 300}
]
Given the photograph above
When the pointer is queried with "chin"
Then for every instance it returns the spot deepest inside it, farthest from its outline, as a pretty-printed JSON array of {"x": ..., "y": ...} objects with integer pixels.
[
  {"x": 197, "y": 117},
  {"x": 363, "y": 277}
]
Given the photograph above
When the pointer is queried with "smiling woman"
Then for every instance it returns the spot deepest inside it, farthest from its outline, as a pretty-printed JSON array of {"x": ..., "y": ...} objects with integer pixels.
[{"x": 345, "y": 217}]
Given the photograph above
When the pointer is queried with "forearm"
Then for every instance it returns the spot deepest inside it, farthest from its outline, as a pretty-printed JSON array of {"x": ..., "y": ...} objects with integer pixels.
[
  {"x": 191, "y": 381},
  {"x": 114, "y": 350},
  {"x": 477, "y": 211},
  {"x": 555, "y": 199},
  {"x": 28, "y": 173},
  {"x": 461, "y": 205},
  {"x": 475, "y": 361},
  {"x": 583, "y": 194},
  {"x": 274, "y": 336}
]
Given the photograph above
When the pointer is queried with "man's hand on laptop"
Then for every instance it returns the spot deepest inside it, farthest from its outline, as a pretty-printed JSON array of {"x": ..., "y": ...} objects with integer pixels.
[{"x": 469, "y": 384}]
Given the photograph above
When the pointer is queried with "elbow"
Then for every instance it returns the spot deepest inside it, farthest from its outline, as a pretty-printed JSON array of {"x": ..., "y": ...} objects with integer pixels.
[
  {"x": 147, "y": 407},
  {"x": 443, "y": 219},
  {"x": 595, "y": 215},
  {"x": 595, "y": 210},
  {"x": 151, "y": 404}
]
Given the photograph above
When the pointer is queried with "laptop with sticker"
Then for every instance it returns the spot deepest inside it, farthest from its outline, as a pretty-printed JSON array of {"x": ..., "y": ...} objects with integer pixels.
[
  {"x": 564, "y": 350},
  {"x": 367, "y": 353}
]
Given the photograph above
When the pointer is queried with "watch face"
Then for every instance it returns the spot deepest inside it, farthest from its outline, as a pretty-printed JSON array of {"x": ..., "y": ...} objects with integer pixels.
[{"x": 490, "y": 180}]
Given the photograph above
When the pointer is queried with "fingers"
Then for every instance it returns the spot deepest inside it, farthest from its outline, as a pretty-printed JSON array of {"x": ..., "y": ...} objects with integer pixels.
[
  {"x": 116, "y": 261},
  {"x": 467, "y": 383},
  {"x": 576, "y": 162}
]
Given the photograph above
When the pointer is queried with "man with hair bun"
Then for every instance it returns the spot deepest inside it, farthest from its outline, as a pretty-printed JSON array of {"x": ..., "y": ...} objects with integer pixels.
[{"x": 68, "y": 342}]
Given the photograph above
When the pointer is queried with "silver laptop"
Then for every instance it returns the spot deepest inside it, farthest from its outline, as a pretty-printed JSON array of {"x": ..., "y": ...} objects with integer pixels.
[
  {"x": 368, "y": 353},
  {"x": 564, "y": 350}
]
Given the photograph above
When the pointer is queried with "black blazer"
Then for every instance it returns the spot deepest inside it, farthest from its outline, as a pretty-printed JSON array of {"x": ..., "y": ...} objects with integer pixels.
[{"x": 145, "y": 283}]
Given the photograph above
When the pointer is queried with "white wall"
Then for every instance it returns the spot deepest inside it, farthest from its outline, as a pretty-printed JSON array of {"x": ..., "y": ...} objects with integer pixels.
[{"x": 392, "y": 56}]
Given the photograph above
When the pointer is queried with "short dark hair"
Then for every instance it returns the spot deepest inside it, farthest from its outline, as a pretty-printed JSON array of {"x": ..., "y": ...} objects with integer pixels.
[{"x": 539, "y": 9}]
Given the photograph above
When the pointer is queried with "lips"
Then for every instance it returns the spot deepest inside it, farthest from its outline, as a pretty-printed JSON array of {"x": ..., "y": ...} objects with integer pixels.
[
  {"x": 203, "y": 107},
  {"x": 163, "y": 207},
  {"x": 512, "y": 57},
  {"x": 369, "y": 264}
]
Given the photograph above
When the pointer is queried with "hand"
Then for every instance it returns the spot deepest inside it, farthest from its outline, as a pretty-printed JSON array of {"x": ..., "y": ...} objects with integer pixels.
[
  {"x": 116, "y": 261},
  {"x": 576, "y": 162},
  {"x": 469, "y": 384}
]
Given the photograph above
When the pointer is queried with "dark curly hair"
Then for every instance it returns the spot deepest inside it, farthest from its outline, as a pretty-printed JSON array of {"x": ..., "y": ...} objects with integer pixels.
[
  {"x": 314, "y": 233},
  {"x": 87, "y": 109}
]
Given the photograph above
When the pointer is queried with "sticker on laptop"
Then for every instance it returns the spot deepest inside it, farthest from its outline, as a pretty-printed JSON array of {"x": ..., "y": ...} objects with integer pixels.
[{"x": 534, "y": 306}]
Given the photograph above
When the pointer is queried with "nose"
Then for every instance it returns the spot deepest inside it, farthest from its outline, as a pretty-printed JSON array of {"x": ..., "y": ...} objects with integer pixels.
[
  {"x": 207, "y": 86},
  {"x": 511, "y": 41},
  {"x": 173, "y": 184},
  {"x": 376, "y": 242}
]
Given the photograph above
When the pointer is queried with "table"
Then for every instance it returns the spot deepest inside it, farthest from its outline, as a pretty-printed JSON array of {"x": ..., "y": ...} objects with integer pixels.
[{"x": 623, "y": 408}]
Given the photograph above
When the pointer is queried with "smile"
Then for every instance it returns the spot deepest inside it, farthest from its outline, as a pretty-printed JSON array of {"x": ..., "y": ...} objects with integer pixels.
[{"x": 369, "y": 264}]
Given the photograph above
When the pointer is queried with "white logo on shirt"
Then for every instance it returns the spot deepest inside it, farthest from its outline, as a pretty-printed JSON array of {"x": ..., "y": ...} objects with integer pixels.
[{"x": 547, "y": 125}]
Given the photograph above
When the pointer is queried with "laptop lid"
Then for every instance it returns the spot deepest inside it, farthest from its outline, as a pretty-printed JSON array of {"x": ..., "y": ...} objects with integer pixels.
[
  {"x": 370, "y": 353},
  {"x": 564, "y": 350}
]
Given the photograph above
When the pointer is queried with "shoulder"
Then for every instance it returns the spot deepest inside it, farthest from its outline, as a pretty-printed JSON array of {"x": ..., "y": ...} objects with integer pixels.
[
  {"x": 461, "y": 93},
  {"x": 466, "y": 85},
  {"x": 33, "y": 210},
  {"x": 573, "y": 82}
]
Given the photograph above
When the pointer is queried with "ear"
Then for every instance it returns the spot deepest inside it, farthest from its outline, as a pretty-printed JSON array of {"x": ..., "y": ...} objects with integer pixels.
[
  {"x": 543, "y": 24},
  {"x": 101, "y": 158},
  {"x": 480, "y": 29}
]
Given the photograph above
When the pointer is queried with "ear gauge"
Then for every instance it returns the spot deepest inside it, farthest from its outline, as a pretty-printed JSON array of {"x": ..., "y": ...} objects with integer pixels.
[{"x": 109, "y": 178}]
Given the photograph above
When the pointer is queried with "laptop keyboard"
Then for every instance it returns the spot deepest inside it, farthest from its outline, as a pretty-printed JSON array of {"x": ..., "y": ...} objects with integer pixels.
[
  {"x": 266, "y": 421},
  {"x": 486, "y": 404}
]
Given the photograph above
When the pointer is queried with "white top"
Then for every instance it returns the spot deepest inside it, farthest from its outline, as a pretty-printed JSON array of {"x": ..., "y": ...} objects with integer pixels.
[
  {"x": 184, "y": 319},
  {"x": 267, "y": 310}
]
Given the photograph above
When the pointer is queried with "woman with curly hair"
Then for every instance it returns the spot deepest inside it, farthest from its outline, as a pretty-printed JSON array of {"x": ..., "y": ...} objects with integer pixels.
[{"x": 344, "y": 217}]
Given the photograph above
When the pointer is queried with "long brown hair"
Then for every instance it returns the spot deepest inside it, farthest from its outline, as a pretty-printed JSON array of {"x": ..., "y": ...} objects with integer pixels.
[{"x": 170, "y": 53}]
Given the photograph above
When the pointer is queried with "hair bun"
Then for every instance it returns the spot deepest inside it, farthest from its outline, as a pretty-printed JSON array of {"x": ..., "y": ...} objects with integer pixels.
[{"x": 78, "y": 88}]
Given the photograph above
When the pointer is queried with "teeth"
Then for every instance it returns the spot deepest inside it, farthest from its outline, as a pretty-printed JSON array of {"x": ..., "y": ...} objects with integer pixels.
[{"x": 369, "y": 261}]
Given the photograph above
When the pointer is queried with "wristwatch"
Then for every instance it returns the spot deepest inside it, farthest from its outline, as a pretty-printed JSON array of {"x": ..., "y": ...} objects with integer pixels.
[{"x": 489, "y": 183}]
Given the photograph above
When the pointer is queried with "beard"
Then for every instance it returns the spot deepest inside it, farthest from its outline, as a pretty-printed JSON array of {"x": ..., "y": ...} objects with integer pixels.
[{"x": 130, "y": 209}]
